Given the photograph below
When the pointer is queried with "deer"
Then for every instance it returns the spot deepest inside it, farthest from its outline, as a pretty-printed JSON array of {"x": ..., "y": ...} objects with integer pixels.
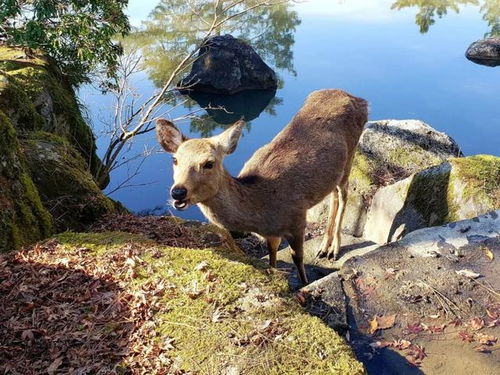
[{"x": 308, "y": 160}]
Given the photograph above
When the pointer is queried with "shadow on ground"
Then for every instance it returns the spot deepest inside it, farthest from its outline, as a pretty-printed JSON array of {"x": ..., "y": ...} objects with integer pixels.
[{"x": 54, "y": 318}]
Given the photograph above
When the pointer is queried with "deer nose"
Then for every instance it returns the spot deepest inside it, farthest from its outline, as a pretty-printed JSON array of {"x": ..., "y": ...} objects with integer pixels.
[{"x": 178, "y": 193}]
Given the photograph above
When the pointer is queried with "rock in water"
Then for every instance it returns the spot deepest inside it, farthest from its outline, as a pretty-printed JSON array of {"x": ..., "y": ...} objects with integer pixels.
[
  {"x": 485, "y": 52},
  {"x": 226, "y": 65}
]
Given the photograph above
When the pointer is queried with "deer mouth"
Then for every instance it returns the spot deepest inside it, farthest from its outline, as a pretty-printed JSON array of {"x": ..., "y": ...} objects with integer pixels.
[{"x": 181, "y": 205}]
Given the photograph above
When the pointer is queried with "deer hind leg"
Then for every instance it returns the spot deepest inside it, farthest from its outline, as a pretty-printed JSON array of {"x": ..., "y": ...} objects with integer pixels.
[
  {"x": 333, "y": 252},
  {"x": 273, "y": 243},
  {"x": 296, "y": 242},
  {"x": 330, "y": 224}
]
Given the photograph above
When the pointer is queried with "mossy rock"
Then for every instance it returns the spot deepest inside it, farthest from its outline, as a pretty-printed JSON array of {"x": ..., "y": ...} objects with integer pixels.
[
  {"x": 66, "y": 186},
  {"x": 23, "y": 219},
  {"x": 459, "y": 189},
  {"x": 37, "y": 97},
  {"x": 219, "y": 311},
  {"x": 389, "y": 151}
]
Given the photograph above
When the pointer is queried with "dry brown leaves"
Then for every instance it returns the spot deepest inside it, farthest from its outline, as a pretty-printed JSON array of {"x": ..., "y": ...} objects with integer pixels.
[
  {"x": 70, "y": 312},
  {"x": 161, "y": 229}
]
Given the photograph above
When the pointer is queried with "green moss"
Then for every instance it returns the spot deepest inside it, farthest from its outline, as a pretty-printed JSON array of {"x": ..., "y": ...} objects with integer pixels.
[
  {"x": 67, "y": 188},
  {"x": 208, "y": 318},
  {"x": 23, "y": 219},
  {"x": 431, "y": 193},
  {"x": 459, "y": 189},
  {"x": 360, "y": 173},
  {"x": 481, "y": 177},
  {"x": 18, "y": 106},
  {"x": 412, "y": 158},
  {"x": 31, "y": 84}
]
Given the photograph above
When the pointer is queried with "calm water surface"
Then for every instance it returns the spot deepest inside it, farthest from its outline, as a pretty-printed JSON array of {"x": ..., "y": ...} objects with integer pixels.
[{"x": 362, "y": 47}]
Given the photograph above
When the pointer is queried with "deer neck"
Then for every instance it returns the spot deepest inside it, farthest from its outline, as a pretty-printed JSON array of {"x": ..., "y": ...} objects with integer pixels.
[{"x": 235, "y": 206}]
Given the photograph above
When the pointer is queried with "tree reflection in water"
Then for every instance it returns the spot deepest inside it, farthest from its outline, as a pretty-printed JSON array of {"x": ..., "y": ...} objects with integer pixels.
[
  {"x": 428, "y": 10},
  {"x": 175, "y": 27}
]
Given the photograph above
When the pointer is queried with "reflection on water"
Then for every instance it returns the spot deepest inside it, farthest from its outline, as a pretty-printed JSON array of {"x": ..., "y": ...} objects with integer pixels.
[
  {"x": 174, "y": 27},
  {"x": 374, "y": 53},
  {"x": 428, "y": 10},
  {"x": 227, "y": 109}
]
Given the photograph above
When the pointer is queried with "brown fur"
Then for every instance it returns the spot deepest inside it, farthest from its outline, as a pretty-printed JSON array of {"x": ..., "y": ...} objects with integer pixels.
[{"x": 309, "y": 159}]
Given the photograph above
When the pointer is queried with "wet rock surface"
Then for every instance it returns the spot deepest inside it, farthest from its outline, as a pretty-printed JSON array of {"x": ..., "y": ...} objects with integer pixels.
[{"x": 227, "y": 65}]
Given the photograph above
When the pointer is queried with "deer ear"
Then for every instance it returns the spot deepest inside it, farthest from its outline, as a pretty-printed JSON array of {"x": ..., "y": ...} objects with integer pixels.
[
  {"x": 168, "y": 135},
  {"x": 228, "y": 139}
]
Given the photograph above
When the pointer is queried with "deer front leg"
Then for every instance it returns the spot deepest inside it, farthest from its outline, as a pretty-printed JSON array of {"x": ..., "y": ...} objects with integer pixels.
[
  {"x": 330, "y": 224},
  {"x": 296, "y": 242},
  {"x": 333, "y": 252},
  {"x": 273, "y": 243}
]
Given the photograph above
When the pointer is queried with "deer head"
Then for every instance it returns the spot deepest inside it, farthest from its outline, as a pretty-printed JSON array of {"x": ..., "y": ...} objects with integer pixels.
[{"x": 198, "y": 168}]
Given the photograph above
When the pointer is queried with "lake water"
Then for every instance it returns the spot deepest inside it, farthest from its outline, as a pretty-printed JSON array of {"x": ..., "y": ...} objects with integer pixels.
[{"x": 363, "y": 47}]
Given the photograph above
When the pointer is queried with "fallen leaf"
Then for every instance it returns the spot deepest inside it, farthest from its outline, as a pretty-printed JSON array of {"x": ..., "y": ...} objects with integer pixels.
[
  {"x": 54, "y": 365},
  {"x": 210, "y": 276},
  {"x": 414, "y": 328},
  {"x": 301, "y": 297},
  {"x": 401, "y": 344},
  {"x": 386, "y": 321},
  {"x": 168, "y": 343},
  {"x": 486, "y": 339},
  {"x": 417, "y": 352},
  {"x": 436, "y": 329},
  {"x": 202, "y": 266},
  {"x": 468, "y": 273},
  {"x": 27, "y": 335},
  {"x": 492, "y": 314},
  {"x": 466, "y": 336},
  {"x": 489, "y": 254},
  {"x": 456, "y": 322},
  {"x": 476, "y": 323},
  {"x": 373, "y": 325}
]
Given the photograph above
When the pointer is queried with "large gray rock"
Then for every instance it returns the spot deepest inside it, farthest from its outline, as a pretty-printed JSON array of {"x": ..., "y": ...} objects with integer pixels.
[
  {"x": 389, "y": 151},
  {"x": 226, "y": 65},
  {"x": 441, "y": 286},
  {"x": 485, "y": 52},
  {"x": 458, "y": 189}
]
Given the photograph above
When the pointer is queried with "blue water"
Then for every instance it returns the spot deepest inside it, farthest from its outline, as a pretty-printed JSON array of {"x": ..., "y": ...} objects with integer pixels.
[{"x": 374, "y": 53}]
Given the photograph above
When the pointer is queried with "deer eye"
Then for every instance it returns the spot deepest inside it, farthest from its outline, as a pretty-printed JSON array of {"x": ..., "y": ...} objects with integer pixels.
[
  {"x": 208, "y": 165},
  {"x": 174, "y": 161}
]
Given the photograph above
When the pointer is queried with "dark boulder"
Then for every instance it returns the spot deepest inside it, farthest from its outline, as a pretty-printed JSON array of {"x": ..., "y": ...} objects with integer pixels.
[
  {"x": 485, "y": 52},
  {"x": 226, "y": 65}
]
